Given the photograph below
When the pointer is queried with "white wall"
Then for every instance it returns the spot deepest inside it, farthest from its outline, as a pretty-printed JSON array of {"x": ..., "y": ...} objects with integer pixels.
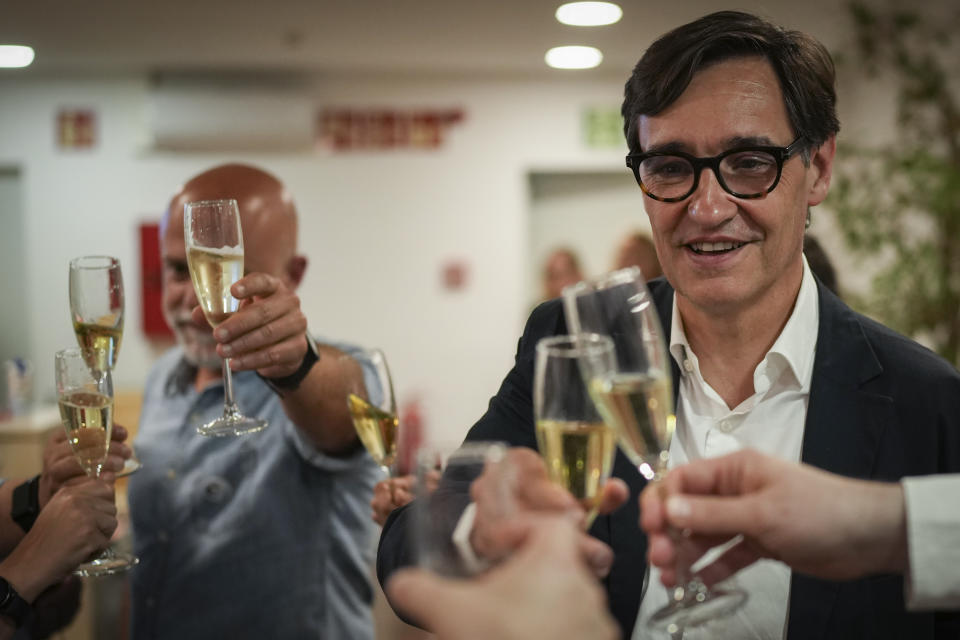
[{"x": 375, "y": 226}]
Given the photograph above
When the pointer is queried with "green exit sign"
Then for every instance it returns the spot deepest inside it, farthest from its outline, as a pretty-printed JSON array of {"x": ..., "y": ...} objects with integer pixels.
[{"x": 602, "y": 127}]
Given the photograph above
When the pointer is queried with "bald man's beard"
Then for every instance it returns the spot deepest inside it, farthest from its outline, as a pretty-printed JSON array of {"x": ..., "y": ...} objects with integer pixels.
[{"x": 199, "y": 346}]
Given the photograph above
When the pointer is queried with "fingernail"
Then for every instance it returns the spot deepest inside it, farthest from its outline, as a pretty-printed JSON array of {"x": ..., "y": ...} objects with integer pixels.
[
  {"x": 227, "y": 350},
  {"x": 241, "y": 290},
  {"x": 677, "y": 507},
  {"x": 222, "y": 334}
]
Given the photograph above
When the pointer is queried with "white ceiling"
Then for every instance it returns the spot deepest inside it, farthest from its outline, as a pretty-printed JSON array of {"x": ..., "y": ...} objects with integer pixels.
[{"x": 334, "y": 36}]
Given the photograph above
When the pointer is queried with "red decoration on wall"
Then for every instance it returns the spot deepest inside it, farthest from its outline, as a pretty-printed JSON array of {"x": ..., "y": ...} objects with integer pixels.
[
  {"x": 76, "y": 128},
  {"x": 382, "y": 129},
  {"x": 151, "y": 269},
  {"x": 454, "y": 275}
]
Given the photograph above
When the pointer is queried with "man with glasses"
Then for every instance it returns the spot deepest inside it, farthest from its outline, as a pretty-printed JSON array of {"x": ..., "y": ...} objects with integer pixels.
[{"x": 731, "y": 124}]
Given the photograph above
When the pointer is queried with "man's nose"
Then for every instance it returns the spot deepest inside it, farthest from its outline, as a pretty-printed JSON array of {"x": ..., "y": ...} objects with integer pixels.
[
  {"x": 190, "y": 295},
  {"x": 709, "y": 204},
  {"x": 183, "y": 293}
]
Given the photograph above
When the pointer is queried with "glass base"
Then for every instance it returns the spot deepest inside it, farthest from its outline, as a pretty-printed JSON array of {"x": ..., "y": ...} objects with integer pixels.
[
  {"x": 695, "y": 605},
  {"x": 107, "y": 563},
  {"x": 129, "y": 466},
  {"x": 232, "y": 424}
]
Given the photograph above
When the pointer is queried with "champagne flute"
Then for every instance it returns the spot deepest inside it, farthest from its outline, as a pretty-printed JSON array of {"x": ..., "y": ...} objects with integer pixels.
[
  {"x": 575, "y": 443},
  {"x": 85, "y": 396},
  {"x": 96, "y": 307},
  {"x": 375, "y": 416},
  {"x": 214, "y": 242},
  {"x": 437, "y": 507},
  {"x": 634, "y": 394}
]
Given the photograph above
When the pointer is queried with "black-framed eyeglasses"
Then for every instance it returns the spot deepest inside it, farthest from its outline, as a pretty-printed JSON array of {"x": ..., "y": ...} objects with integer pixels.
[{"x": 744, "y": 172}]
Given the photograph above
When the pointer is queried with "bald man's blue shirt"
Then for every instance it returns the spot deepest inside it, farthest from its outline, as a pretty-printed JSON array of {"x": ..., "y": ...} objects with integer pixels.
[{"x": 258, "y": 536}]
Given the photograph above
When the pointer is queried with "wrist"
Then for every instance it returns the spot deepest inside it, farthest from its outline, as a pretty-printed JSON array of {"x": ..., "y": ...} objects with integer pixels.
[
  {"x": 289, "y": 383},
  {"x": 884, "y": 528},
  {"x": 25, "y": 503},
  {"x": 44, "y": 490},
  {"x": 21, "y": 578}
]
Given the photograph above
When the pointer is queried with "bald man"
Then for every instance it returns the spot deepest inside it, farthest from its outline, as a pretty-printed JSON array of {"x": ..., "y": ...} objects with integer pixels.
[{"x": 265, "y": 535}]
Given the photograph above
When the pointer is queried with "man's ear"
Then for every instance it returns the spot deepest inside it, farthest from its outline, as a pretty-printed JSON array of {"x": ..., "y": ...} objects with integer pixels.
[
  {"x": 821, "y": 168},
  {"x": 296, "y": 268}
]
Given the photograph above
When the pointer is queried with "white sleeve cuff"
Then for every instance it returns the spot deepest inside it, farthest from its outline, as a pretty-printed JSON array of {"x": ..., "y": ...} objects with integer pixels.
[
  {"x": 461, "y": 540},
  {"x": 933, "y": 542}
]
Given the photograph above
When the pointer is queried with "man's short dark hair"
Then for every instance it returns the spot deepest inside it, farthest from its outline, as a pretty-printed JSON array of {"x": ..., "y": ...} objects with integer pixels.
[{"x": 803, "y": 66}]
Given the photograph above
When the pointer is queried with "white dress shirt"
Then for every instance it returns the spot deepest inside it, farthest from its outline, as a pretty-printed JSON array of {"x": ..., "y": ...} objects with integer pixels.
[
  {"x": 770, "y": 421},
  {"x": 933, "y": 542}
]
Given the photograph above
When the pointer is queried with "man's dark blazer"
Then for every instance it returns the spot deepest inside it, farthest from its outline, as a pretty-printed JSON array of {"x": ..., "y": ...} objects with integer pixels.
[{"x": 881, "y": 407}]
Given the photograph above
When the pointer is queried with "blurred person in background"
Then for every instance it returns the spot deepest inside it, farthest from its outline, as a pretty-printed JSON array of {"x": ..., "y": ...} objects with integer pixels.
[
  {"x": 265, "y": 535},
  {"x": 561, "y": 268},
  {"x": 638, "y": 250}
]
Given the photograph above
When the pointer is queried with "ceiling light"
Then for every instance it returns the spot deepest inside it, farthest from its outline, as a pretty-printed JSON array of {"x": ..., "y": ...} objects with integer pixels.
[
  {"x": 14, "y": 56},
  {"x": 589, "y": 14},
  {"x": 573, "y": 57}
]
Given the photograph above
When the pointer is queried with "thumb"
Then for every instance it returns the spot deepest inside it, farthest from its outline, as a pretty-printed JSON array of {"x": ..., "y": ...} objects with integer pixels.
[
  {"x": 421, "y": 594},
  {"x": 712, "y": 515}
]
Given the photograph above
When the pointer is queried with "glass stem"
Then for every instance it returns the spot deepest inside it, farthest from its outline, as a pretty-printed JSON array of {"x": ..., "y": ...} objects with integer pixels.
[
  {"x": 689, "y": 587},
  {"x": 229, "y": 406},
  {"x": 107, "y": 552},
  {"x": 386, "y": 470}
]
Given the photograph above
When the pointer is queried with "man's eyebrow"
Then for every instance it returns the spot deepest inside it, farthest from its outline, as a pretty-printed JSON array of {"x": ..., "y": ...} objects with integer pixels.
[
  {"x": 732, "y": 142},
  {"x": 748, "y": 141},
  {"x": 667, "y": 147}
]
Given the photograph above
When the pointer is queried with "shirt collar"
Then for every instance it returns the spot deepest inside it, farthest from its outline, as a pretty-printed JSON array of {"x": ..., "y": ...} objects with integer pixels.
[
  {"x": 180, "y": 379},
  {"x": 793, "y": 349}
]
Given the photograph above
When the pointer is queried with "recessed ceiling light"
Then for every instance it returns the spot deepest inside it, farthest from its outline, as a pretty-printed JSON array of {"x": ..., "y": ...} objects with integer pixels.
[
  {"x": 14, "y": 56},
  {"x": 589, "y": 14},
  {"x": 573, "y": 57}
]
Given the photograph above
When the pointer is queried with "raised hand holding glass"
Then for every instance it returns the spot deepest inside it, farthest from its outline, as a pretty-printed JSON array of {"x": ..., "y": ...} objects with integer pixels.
[{"x": 86, "y": 408}]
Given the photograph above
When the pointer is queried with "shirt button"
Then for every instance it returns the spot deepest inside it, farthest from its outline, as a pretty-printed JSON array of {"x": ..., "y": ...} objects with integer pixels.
[
  {"x": 171, "y": 473},
  {"x": 687, "y": 365},
  {"x": 162, "y": 536},
  {"x": 726, "y": 426},
  {"x": 151, "y": 602}
]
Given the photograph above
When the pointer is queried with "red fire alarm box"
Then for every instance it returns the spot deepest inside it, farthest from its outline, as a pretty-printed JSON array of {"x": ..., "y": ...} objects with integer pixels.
[{"x": 151, "y": 268}]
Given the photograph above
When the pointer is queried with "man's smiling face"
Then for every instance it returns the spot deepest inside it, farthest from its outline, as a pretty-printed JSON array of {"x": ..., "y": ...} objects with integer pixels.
[{"x": 722, "y": 253}]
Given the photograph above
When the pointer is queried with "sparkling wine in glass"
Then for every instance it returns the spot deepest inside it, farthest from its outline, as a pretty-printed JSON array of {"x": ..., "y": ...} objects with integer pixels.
[
  {"x": 214, "y": 242},
  {"x": 85, "y": 396},
  {"x": 634, "y": 394},
  {"x": 576, "y": 444},
  {"x": 96, "y": 309},
  {"x": 375, "y": 415}
]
